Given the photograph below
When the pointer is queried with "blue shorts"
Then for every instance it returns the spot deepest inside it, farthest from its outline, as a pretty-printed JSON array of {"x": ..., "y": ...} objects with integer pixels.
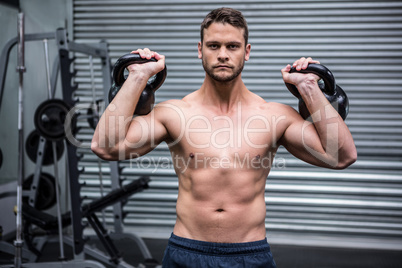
[{"x": 183, "y": 252}]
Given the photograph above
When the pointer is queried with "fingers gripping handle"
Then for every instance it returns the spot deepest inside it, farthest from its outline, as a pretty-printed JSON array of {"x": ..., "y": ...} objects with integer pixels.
[
  {"x": 334, "y": 93},
  {"x": 323, "y": 72},
  {"x": 147, "y": 98}
]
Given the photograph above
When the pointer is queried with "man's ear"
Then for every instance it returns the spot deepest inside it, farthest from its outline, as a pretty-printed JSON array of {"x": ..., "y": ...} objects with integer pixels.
[
  {"x": 247, "y": 56},
  {"x": 200, "y": 50}
]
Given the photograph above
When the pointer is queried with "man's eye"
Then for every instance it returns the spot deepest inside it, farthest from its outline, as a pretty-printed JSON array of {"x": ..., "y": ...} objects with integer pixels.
[
  {"x": 213, "y": 46},
  {"x": 233, "y": 46}
]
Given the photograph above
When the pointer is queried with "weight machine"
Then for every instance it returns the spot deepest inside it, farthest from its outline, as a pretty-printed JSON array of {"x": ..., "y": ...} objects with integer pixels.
[{"x": 54, "y": 121}]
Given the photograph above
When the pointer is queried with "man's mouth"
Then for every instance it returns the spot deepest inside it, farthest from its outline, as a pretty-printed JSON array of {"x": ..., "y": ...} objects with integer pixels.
[{"x": 222, "y": 66}]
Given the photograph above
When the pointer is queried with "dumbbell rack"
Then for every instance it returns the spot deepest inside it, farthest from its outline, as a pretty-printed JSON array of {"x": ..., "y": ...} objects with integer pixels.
[{"x": 77, "y": 241}]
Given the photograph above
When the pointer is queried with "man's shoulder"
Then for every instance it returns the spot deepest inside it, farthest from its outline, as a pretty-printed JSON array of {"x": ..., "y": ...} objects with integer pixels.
[
  {"x": 272, "y": 107},
  {"x": 169, "y": 104},
  {"x": 277, "y": 108},
  {"x": 171, "y": 110}
]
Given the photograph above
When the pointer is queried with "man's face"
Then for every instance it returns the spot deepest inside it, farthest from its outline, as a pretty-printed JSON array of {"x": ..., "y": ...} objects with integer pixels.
[{"x": 223, "y": 52}]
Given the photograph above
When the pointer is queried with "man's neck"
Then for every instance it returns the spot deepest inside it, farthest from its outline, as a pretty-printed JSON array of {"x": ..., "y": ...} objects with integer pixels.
[{"x": 223, "y": 95}]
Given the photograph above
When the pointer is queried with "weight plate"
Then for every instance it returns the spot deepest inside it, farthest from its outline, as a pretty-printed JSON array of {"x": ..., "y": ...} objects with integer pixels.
[
  {"x": 32, "y": 144},
  {"x": 49, "y": 119},
  {"x": 46, "y": 191}
]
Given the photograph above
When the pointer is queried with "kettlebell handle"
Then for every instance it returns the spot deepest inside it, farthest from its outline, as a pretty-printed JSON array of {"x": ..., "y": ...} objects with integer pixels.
[
  {"x": 318, "y": 69},
  {"x": 334, "y": 93},
  {"x": 128, "y": 59},
  {"x": 147, "y": 97}
]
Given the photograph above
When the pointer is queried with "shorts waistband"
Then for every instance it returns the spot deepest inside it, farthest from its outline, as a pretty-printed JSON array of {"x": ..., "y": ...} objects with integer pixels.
[{"x": 205, "y": 247}]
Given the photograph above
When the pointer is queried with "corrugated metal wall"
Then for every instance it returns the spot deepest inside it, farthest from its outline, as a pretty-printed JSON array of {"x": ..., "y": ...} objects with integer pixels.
[{"x": 360, "y": 41}]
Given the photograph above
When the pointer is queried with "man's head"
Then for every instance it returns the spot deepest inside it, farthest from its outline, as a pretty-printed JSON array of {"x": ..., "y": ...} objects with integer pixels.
[
  {"x": 225, "y": 15},
  {"x": 223, "y": 47}
]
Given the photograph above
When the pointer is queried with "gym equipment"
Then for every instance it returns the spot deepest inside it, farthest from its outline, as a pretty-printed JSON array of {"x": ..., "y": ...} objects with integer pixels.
[
  {"x": 18, "y": 242},
  {"x": 333, "y": 92},
  {"x": 69, "y": 87},
  {"x": 93, "y": 122},
  {"x": 76, "y": 239},
  {"x": 54, "y": 150},
  {"x": 147, "y": 98},
  {"x": 32, "y": 144},
  {"x": 30, "y": 194},
  {"x": 67, "y": 78},
  {"x": 49, "y": 119},
  {"x": 49, "y": 223},
  {"x": 94, "y": 111},
  {"x": 93, "y": 114},
  {"x": 5, "y": 54},
  {"x": 45, "y": 192}
]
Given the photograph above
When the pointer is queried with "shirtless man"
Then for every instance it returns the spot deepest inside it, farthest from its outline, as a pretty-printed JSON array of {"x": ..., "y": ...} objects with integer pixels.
[{"x": 223, "y": 139}]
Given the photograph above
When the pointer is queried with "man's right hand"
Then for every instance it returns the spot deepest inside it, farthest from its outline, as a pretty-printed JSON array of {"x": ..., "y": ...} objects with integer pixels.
[{"x": 150, "y": 68}]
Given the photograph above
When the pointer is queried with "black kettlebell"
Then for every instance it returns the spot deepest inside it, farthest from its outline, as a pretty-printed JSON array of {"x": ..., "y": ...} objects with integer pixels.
[
  {"x": 147, "y": 98},
  {"x": 334, "y": 93}
]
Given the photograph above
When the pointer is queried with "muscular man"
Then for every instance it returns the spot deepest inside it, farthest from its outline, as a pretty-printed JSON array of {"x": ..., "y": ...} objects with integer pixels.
[{"x": 223, "y": 139}]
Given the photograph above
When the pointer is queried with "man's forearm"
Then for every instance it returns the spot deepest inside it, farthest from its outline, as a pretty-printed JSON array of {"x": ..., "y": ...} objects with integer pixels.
[
  {"x": 335, "y": 136},
  {"x": 115, "y": 121}
]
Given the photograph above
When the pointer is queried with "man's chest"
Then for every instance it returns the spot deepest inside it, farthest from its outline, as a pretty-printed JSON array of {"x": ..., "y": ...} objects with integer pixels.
[
  {"x": 231, "y": 132},
  {"x": 223, "y": 140}
]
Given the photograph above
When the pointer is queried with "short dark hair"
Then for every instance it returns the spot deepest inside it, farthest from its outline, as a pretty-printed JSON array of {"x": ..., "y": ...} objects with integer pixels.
[{"x": 225, "y": 15}]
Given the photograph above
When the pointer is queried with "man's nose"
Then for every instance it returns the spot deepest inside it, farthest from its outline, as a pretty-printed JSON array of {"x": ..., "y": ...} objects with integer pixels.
[{"x": 223, "y": 56}]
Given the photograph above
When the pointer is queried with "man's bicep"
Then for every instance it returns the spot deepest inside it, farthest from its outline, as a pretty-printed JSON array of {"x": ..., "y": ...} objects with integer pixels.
[{"x": 144, "y": 134}]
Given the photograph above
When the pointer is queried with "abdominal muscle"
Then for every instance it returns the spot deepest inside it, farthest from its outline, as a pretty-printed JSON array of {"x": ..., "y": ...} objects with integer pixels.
[{"x": 221, "y": 207}]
